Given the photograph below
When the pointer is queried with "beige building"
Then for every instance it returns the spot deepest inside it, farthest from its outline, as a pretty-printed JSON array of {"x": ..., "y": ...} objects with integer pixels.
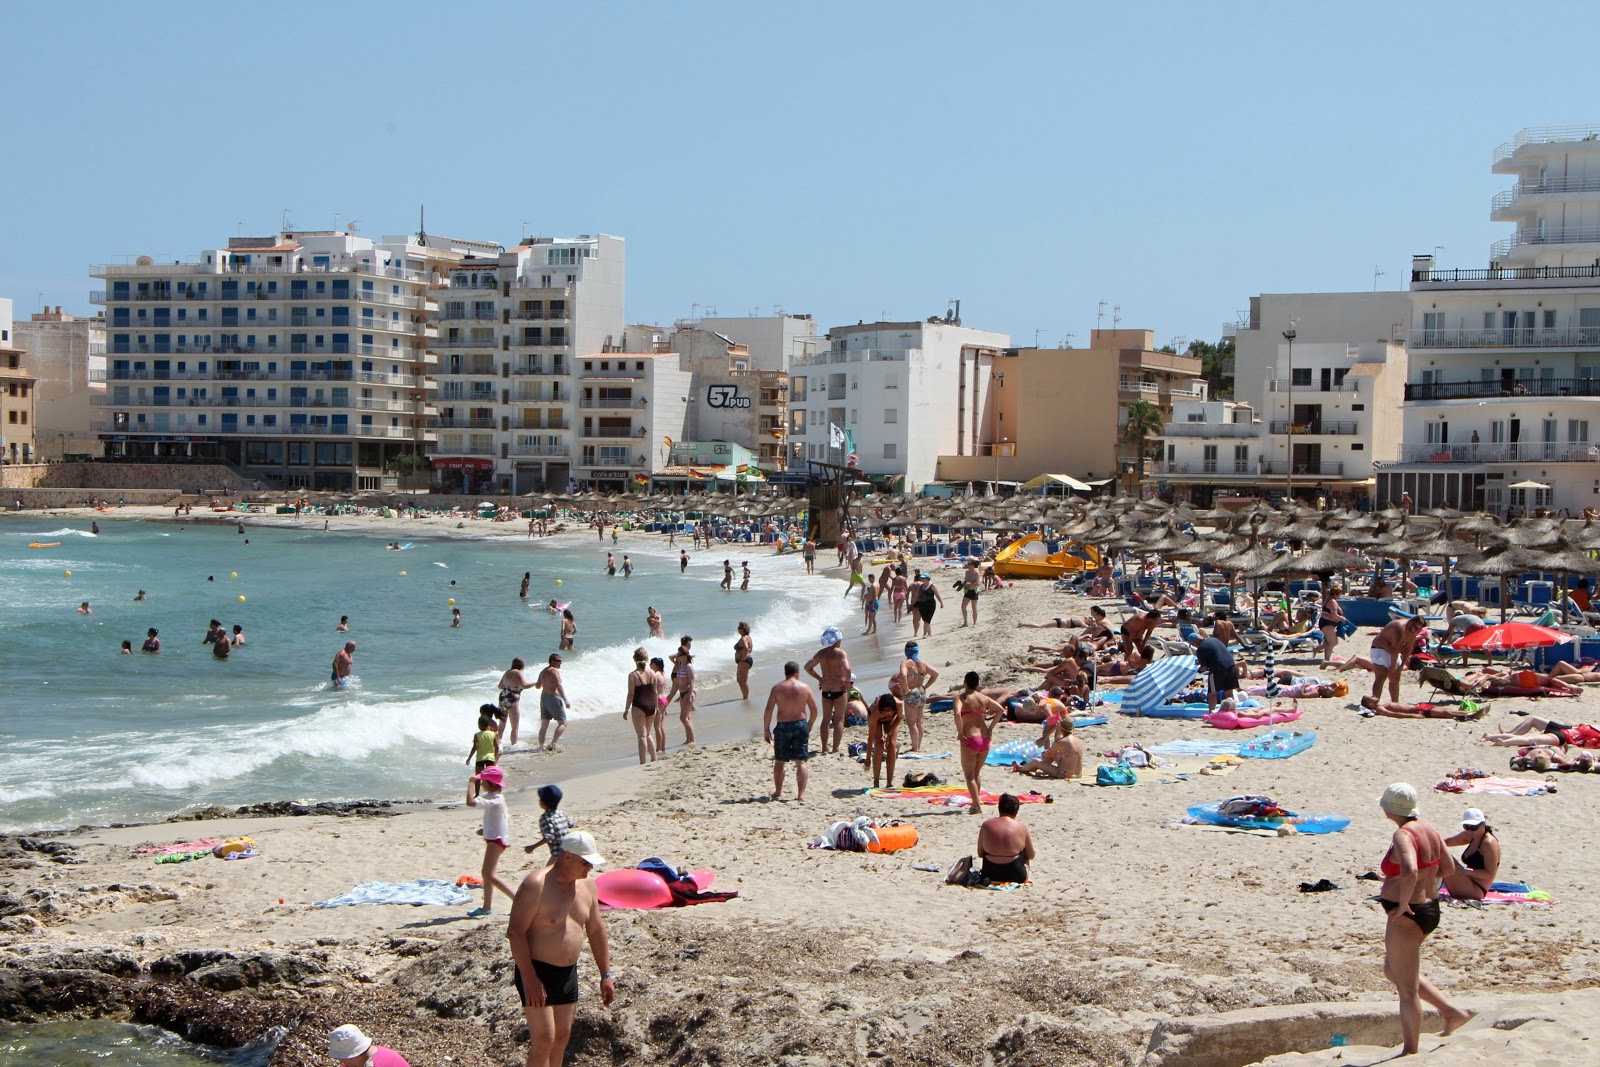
[
  {"x": 16, "y": 397},
  {"x": 67, "y": 353},
  {"x": 1061, "y": 410},
  {"x": 731, "y": 399}
]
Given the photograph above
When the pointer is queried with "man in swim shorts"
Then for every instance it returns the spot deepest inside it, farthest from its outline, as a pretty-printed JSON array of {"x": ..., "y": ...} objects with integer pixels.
[
  {"x": 343, "y": 661},
  {"x": 1391, "y": 650},
  {"x": 809, "y": 551},
  {"x": 796, "y": 708},
  {"x": 831, "y": 668},
  {"x": 556, "y": 908},
  {"x": 553, "y": 702},
  {"x": 1221, "y": 671},
  {"x": 971, "y": 580}
]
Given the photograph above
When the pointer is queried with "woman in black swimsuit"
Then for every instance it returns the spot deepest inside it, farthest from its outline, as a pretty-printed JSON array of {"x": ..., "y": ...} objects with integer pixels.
[
  {"x": 1480, "y": 860},
  {"x": 1410, "y": 896},
  {"x": 743, "y": 659},
  {"x": 642, "y": 705}
]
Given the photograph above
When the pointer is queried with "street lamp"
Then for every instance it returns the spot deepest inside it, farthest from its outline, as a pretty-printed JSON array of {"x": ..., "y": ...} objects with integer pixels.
[{"x": 1288, "y": 437}]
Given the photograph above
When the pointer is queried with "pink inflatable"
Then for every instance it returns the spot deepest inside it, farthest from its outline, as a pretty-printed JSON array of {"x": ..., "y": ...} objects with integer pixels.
[
  {"x": 1232, "y": 720},
  {"x": 641, "y": 890}
]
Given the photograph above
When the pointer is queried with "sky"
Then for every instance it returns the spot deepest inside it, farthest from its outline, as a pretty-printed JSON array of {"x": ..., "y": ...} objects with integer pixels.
[{"x": 859, "y": 160}]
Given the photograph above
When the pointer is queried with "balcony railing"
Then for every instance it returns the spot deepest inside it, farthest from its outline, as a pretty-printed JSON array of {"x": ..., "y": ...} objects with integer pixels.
[
  {"x": 1509, "y": 337},
  {"x": 446, "y": 343},
  {"x": 1544, "y": 186},
  {"x": 1520, "y": 387},
  {"x": 855, "y": 355},
  {"x": 613, "y": 432},
  {"x": 611, "y": 402},
  {"x": 1147, "y": 388},
  {"x": 1314, "y": 427},
  {"x": 466, "y": 450},
  {"x": 536, "y": 396},
  {"x": 1508, "y": 274},
  {"x": 535, "y": 424},
  {"x": 453, "y": 422},
  {"x": 1212, "y": 429},
  {"x": 1545, "y": 135},
  {"x": 522, "y": 368},
  {"x": 1281, "y": 385},
  {"x": 224, "y": 269},
  {"x": 610, "y": 461},
  {"x": 540, "y": 450},
  {"x": 1554, "y": 235},
  {"x": 1505, "y": 452},
  {"x": 1250, "y": 470},
  {"x": 318, "y": 429},
  {"x": 542, "y": 316},
  {"x": 398, "y": 407},
  {"x": 471, "y": 315}
]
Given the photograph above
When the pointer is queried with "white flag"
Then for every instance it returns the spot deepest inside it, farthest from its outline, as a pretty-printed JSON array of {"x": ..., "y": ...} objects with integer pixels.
[{"x": 835, "y": 436}]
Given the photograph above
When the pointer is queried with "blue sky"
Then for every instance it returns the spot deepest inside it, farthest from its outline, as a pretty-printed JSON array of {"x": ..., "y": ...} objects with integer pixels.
[{"x": 851, "y": 160}]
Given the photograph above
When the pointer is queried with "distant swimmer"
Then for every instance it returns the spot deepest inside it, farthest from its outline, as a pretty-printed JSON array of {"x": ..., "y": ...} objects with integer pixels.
[
  {"x": 152, "y": 642},
  {"x": 611, "y": 565},
  {"x": 627, "y": 566},
  {"x": 139, "y": 597},
  {"x": 94, "y": 528},
  {"x": 527, "y": 576},
  {"x": 343, "y": 661},
  {"x": 127, "y": 648},
  {"x": 221, "y": 647},
  {"x": 238, "y": 635},
  {"x": 215, "y": 633},
  {"x": 455, "y": 618},
  {"x": 652, "y": 619},
  {"x": 344, "y": 625},
  {"x": 683, "y": 560},
  {"x": 83, "y": 609},
  {"x": 569, "y": 630},
  {"x": 744, "y": 584}
]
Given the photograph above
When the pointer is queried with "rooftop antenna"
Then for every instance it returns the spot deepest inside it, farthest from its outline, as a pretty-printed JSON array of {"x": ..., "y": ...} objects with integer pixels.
[
  {"x": 287, "y": 225},
  {"x": 337, "y": 215},
  {"x": 422, "y": 225},
  {"x": 524, "y": 236},
  {"x": 1099, "y": 314},
  {"x": 1116, "y": 316},
  {"x": 353, "y": 224},
  {"x": 1376, "y": 274},
  {"x": 1437, "y": 249},
  {"x": 694, "y": 312},
  {"x": 1066, "y": 339},
  {"x": 1036, "y": 334}
]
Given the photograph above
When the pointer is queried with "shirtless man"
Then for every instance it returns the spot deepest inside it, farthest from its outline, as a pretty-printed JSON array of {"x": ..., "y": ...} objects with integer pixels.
[
  {"x": 789, "y": 737},
  {"x": 1136, "y": 631},
  {"x": 555, "y": 909},
  {"x": 1223, "y": 629},
  {"x": 971, "y": 582},
  {"x": 809, "y": 551},
  {"x": 553, "y": 702},
  {"x": 1063, "y": 759},
  {"x": 1391, "y": 649},
  {"x": 343, "y": 661},
  {"x": 831, "y": 668},
  {"x": 1394, "y": 709}
]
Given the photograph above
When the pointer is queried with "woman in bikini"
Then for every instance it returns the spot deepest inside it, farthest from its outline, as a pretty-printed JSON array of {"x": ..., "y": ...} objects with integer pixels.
[
  {"x": 743, "y": 659},
  {"x": 642, "y": 705},
  {"x": 1480, "y": 860},
  {"x": 898, "y": 586},
  {"x": 683, "y": 690},
  {"x": 909, "y": 684},
  {"x": 569, "y": 629},
  {"x": 975, "y": 717},
  {"x": 658, "y": 667},
  {"x": 883, "y": 735},
  {"x": 1332, "y": 619},
  {"x": 1410, "y": 896}
]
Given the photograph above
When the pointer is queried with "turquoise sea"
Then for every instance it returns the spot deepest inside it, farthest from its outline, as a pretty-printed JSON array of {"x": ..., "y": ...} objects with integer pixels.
[
  {"x": 91, "y": 736},
  {"x": 92, "y": 1044}
]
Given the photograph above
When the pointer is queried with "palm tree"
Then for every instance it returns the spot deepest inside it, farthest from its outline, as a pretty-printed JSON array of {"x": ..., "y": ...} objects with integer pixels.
[{"x": 1143, "y": 422}]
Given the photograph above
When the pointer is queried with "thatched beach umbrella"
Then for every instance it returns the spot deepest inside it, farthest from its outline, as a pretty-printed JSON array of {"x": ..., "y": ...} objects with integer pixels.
[{"x": 1504, "y": 562}]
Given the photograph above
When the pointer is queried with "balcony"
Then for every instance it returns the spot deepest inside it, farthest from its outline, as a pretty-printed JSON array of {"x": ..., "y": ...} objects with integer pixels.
[
  {"x": 469, "y": 315},
  {"x": 616, "y": 433},
  {"x": 478, "y": 368},
  {"x": 610, "y": 461},
  {"x": 224, "y": 269},
  {"x": 1222, "y": 469},
  {"x": 1514, "y": 389},
  {"x": 1282, "y": 385},
  {"x": 444, "y": 343},
  {"x": 296, "y": 429},
  {"x": 526, "y": 367},
  {"x": 538, "y": 396},
  {"x": 1149, "y": 389},
  {"x": 1476, "y": 278},
  {"x": 855, "y": 355},
  {"x": 1554, "y": 235},
  {"x": 1549, "y": 186},
  {"x": 1505, "y": 452},
  {"x": 1212, "y": 429},
  {"x": 542, "y": 316},
  {"x": 1535, "y": 135},
  {"x": 456, "y": 422},
  {"x": 1509, "y": 337},
  {"x": 1314, "y": 428},
  {"x": 536, "y": 424},
  {"x": 540, "y": 450},
  {"x": 466, "y": 450},
  {"x": 612, "y": 402}
]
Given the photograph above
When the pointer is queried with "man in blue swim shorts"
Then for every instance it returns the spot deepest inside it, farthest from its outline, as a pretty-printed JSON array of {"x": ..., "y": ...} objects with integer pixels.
[{"x": 796, "y": 707}]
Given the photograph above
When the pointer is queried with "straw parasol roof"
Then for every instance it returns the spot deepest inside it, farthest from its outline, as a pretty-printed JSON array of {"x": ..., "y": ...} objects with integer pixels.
[{"x": 1320, "y": 561}]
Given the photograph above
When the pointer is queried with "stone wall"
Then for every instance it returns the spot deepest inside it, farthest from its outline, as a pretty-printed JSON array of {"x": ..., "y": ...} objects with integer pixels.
[{"x": 173, "y": 477}]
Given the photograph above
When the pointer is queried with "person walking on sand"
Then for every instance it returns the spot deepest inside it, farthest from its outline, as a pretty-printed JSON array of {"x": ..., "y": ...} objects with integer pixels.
[
  {"x": 569, "y": 630},
  {"x": 975, "y": 717},
  {"x": 727, "y": 575},
  {"x": 642, "y": 705},
  {"x": 496, "y": 833},
  {"x": 929, "y": 600},
  {"x": 1331, "y": 620},
  {"x": 971, "y": 580},
  {"x": 553, "y": 702},
  {"x": 744, "y": 658},
  {"x": 512, "y": 683},
  {"x": 910, "y": 684},
  {"x": 796, "y": 708},
  {"x": 343, "y": 662},
  {"x": 831, "y": 669},
  {"x": 809, "y": 551},
  {"x": 556, "y": 908},
  {"x": 652, "y": 619},
  {"x": 1411, "y": 872}
]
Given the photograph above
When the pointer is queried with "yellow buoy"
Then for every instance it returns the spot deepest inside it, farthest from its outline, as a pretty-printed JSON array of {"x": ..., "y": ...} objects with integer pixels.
[
  {"x": 402, "y": 574},
  {"x": 67, "y": 573},
  {"x": 558, "y": 581},
  {"x": 241, "y": 598},
  {"x": 452, "y": 602},
  {"x": 233, "y": 574}
]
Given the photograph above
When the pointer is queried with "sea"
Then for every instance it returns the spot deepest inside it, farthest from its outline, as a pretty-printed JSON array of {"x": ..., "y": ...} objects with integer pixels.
[
  {"x": 90, "y": 1044},
  {"x": 91, "y": 736}
]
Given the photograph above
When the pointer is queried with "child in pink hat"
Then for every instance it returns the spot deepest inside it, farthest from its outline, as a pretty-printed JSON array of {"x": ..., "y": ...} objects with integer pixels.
[{"x": 496, "y": 833}]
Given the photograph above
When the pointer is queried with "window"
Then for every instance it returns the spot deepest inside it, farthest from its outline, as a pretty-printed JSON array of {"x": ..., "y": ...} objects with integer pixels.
[
  {"x": 1357, "y": 446},
  {"x": 1549, "y": 319},
  {"x": 1301, "y": 377},
  {"x": 1208, "y": 458},
  {"x": 891, "y": 416},
  {"x": 1358, "y": 407},
  {"x": 888, "y": 450},
  {"x": 1436, "y": 433},
  {"x": 1241, "y": 459}
]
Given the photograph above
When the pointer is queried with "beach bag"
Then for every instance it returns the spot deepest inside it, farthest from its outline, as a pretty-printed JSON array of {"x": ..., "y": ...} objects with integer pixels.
[
  {"x": 1120, "y": 774},
  {"x": 1346, "y": 629}
]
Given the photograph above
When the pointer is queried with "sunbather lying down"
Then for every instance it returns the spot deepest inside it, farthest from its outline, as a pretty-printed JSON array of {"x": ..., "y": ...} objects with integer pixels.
[
  {"x": 1536, "y": 731},
  {"x": 1543, "y": 758},
  {"x": 1395, "y": 710}
]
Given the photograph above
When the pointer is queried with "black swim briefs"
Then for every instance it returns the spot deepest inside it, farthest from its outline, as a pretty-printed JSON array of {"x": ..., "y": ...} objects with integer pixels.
[
  {"x": 1425, "y": 914},
  {"x": 560, "y": 983}
]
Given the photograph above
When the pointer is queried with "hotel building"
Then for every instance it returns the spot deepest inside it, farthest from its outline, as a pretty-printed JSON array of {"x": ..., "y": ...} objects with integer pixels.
[{"x": 16, "y": 397}]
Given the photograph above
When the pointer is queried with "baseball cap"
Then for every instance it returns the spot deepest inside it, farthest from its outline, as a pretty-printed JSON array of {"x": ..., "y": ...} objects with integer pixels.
[
  {"x": 1473, "y": 817},
  {"x": 831, "y": 636},
  {"x": 550, "y": 794},
  {"x": 1399, "y": 799},
  {"x": 582, "y": 845},
  {"x": 347, "y": 1042},
  {"x": 493, "y": 775}
]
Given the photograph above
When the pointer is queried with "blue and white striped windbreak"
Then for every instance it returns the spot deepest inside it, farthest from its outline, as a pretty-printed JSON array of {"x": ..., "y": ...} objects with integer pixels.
[{"x": 1157, "y": 683}]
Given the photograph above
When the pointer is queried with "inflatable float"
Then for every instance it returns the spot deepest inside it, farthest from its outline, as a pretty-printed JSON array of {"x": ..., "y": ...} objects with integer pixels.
[
  {"x": 641, "y": 890},
  {"x": 1028, "y": 558},
  {"x": 1232, "y": 720},
  {"x": 44, "y": 544},
  {"x": 1304, "y": 824},
  {"x": 893, "y": 838},
  {"x": 1278, "y": 744}
]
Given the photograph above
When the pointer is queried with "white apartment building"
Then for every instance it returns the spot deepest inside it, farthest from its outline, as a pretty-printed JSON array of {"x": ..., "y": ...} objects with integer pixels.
[
  {"x": 630, "y": 406},
  {"x": 300, "y": 357},
  {"x": 67, "y": 354},
  {"x": 773, "y": 341},
  {"x": 1209, "y": 443},
  {"x": 907, "y": 391},
  {"x": 1502, "y": 404},
  {"x": 511, "y": 325}
]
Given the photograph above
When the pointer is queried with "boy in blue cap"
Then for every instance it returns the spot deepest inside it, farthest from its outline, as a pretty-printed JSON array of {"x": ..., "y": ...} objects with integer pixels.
[{"x": 553, "y": 823}]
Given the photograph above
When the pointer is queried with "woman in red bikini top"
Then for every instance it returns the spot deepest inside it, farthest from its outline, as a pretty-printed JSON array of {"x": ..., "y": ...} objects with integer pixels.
[
  {"x": 975, "y": 715},
  {"x": 1410, "y": 896}
]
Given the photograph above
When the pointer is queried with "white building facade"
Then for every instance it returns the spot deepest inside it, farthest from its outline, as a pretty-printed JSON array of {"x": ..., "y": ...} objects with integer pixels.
[
  {"x": 301, "y": 357},
  {"x": 631, "y": 406},
  {"x": 907, "y": 391},
  {"x": 1502, "y": 401}
]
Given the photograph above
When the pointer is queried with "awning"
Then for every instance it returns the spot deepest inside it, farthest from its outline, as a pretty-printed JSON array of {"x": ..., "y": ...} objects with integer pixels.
[
  {"x": 731, "y": 474},
  {"x": 462, "y": 463},
  {"x": 1063, "y": 480}
]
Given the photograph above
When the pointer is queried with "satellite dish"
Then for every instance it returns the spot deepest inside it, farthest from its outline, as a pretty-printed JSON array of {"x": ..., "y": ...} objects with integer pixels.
[{"x": 144, "y": 261}]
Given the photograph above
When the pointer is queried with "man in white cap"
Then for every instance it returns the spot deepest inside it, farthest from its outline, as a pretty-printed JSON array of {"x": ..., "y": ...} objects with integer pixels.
[
  {"x": 831, "y": 668},
  {"x": 554, "y": 910},
  {"x": 351, "y": 1047}
]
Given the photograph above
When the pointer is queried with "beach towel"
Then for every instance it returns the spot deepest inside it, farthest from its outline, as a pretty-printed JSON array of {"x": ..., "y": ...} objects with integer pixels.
[
  {"x": 1187, "y": 747},
  {"x": 925, "y": 755},
  {"x": 206, "y": 843},
  {"x": 418, "y": 892},
  {"x": 1495, "y": 786},
  {"x": 941, "y": 794},
  {"x": 183, "y": 857},
  {"x": 1512, "y": 893}
]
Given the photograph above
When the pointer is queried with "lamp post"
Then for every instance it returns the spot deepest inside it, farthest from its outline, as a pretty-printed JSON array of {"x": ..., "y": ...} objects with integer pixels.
[
  {"x": 1288, "y": 437},
  {"x": 999, "y": 379}
]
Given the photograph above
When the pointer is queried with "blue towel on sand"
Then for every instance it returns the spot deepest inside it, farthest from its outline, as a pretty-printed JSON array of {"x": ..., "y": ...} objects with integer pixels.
[
  {"x": 1196, "y": 748},
  {"x": 421, "y": 891}
]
